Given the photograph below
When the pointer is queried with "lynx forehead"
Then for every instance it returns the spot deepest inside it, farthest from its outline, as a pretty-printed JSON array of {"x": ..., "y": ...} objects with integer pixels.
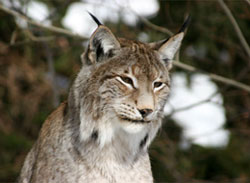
[
  {"x": 113, "y": 112},
  {"x": 141, "y": 80},
  {"x": 132, "y": 78}
]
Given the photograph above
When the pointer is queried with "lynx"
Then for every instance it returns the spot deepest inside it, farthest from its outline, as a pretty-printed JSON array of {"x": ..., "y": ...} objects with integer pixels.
[{"x": 114, "y": 109}]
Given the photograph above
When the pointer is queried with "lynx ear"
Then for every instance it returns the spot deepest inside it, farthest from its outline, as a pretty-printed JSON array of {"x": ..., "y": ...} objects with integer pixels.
[
  {"x": 168, "y": 48},
  {"x": 102, "y": 44}
]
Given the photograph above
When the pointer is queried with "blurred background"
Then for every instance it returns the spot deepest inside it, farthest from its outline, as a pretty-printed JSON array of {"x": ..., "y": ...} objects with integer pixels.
[{"x": 205, "y": 135}]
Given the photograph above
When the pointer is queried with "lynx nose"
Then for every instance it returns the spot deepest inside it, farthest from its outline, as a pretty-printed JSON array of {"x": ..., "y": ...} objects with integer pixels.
[{"x": 145, "y": 112}]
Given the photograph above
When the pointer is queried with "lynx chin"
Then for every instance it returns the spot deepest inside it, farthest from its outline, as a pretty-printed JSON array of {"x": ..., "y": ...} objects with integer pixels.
[{"x": 114, "y": 109}]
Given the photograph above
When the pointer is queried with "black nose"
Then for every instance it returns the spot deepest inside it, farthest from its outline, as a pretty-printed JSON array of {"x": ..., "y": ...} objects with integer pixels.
[{"x": 145, "y": 112}]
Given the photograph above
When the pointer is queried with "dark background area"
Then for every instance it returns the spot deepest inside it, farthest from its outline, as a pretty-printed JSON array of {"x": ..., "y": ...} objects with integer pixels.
[{"x": 38, "y": 65}]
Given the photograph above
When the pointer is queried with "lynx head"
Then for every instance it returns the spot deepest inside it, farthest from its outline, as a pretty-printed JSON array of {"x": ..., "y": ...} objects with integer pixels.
[{"x": 123, "y": 83}]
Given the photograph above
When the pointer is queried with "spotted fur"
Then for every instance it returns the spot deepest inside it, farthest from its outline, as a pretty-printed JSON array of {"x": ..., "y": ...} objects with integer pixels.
[{"x": 113, "y": 112}]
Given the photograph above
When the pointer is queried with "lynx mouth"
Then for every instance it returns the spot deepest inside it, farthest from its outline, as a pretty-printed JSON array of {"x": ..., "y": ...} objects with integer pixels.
[{"x": 134, "y": 120}]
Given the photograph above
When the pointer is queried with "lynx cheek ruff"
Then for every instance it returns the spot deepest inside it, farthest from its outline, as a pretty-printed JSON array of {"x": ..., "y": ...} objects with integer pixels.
[{"x": 114, "y": 109}]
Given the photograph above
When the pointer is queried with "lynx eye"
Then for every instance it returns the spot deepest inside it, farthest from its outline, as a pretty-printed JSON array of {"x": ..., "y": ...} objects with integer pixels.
[
  {"x": 158, "y": 85},
  {"x": 127, "y": 80}
]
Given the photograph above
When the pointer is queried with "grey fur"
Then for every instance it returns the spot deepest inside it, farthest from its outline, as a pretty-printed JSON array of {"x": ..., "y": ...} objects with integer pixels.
[{"x": 99, "y": 135}]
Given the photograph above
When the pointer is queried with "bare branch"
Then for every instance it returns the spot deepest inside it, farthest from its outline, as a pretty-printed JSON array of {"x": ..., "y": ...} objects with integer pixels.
[
  {"x": 215, "y": 77},
  {"x": 145, "y": 21},
  {"x": 209, "y": 99},
  {"x": 236, "y": 27},
  {"x": 176, "y": 63},
  {"x": 37, "y": 39},
  {"x": 153, "y": 26},
  {"x": 50, "y": 28}
]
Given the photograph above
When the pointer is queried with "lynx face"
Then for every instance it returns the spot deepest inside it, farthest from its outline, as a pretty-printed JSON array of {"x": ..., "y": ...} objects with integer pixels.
[
  {"x": 123, "y": 84},
  {"x": 135, "y": 87}
]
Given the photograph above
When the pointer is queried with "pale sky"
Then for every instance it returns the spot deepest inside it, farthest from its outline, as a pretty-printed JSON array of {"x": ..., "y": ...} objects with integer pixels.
[{"x": 203, "y": 124}]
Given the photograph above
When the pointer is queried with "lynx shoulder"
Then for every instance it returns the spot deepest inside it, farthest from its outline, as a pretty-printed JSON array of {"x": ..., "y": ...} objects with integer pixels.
[{"x": 113, "y": 112}]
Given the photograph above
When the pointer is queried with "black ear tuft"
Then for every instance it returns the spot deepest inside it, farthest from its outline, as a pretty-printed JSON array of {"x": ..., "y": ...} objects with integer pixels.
[
  {"x": 185, "y": 24},
  {"x": 95, "y": 19}
]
